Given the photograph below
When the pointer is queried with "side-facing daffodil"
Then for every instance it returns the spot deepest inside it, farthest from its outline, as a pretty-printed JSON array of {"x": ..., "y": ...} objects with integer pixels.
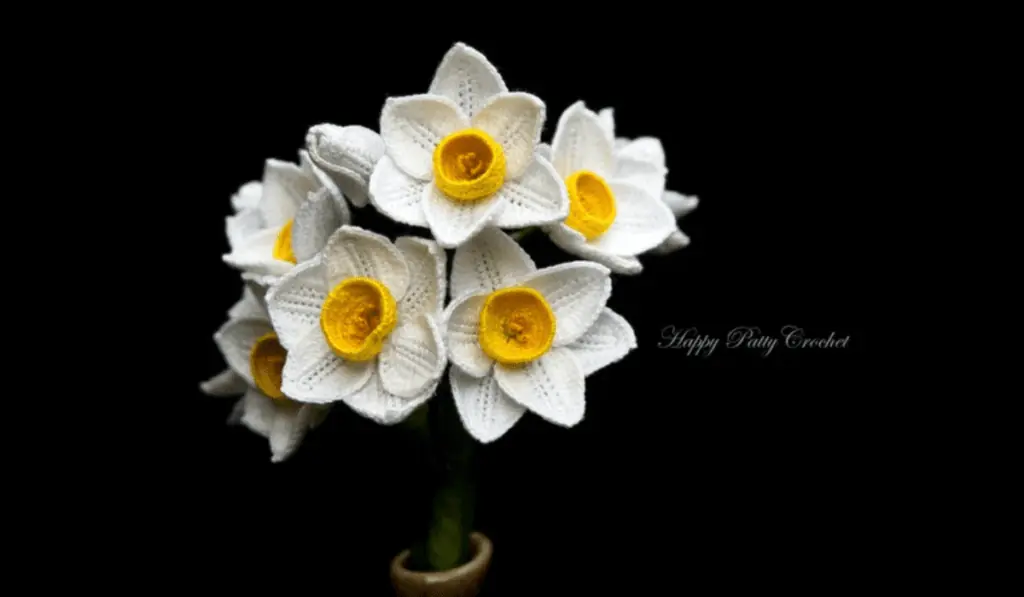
[
  {"x": 255, "y": 357},
  {"x": 629, "y": 154},
  {"x": 616, "y": 211},
  {"x": 298, "y": 208}
]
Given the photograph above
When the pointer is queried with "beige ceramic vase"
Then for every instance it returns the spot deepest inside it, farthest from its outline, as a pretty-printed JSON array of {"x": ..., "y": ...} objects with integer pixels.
[{"x": 463, "y": 581}]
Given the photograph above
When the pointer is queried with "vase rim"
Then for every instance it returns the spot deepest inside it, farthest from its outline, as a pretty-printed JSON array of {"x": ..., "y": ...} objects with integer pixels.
[{"x": 481, "y": 549}]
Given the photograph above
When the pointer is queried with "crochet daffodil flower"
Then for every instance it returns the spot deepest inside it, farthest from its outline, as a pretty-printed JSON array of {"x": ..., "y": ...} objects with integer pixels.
[
  {"x": 616, "y": 212},
  {"x": 462, "y": 157},
  {"x": 227, "y": 382},
  {"x": 360, "y": 322},
  {"x": 523, "y": 339},
  {"x": 629, "y": 154},
  {"x": 298, "y": 207},
  {"x": 348, "y": 155},
  {"x": 255, "y": 358}
]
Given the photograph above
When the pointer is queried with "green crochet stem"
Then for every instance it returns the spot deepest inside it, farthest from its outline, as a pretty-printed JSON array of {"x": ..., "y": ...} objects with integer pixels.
[{"x": 446, "y": 542}]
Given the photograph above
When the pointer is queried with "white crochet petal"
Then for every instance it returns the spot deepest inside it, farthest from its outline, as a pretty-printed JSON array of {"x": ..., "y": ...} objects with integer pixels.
[
  {"x": 577, "y": 292},
  {"x": 461, "y": 335},
  {"x": 644, "y": 149},
  {"x": 454, "y": 222},
  {"x": 327, "y": 186},
  {"x": 352, "y": 252},
  {"x": 348, "y": 155},
  {"x": 607, "y": 341},
  {"x": 256, "y": 254},
  {"x": 396, "y": 194},
  {"x": 641, "y": 222},
  {"x": 249, "y": 305},
  {"x": 679, "y": 204},
  {"x": 486, "y": 412},
  {"x": 225, "y": 383},
  {"x": 428, "y": 282},
  {"x": 539, "y": 197},
  {"x": 413, "y": 357},
  {"x": 242, "y": 225},
  {"x": 551, "y": 386},
  {"x": 377, "y": 404},
  {"x": 295, "y": 301},
  {"x": 412, "y": 126},
  {"x": 574, "y": 243},
  {"x": 467, "y": 78},
  {"x": 646, "y": 175},
  {"x": 235, "y": 340},
  {"x": 580, "y": 143},
  {"x": 491, "y": 260},
  {"x": 259, "y": 284},
  {"x": 313, "y": 373},
  {"x": 606, "y": 117},
  {"x": 514, "y": 121},
  {"x": 316, "y": 220},
  {"x": 247, "y": 196},
  {"x": 285, "y": 187},
  {"x": 257, "y": 412},
  {"x": 289, "y": 427},
  {"x": 675, "y": 241},
  {"x": 544, "y": 150}
]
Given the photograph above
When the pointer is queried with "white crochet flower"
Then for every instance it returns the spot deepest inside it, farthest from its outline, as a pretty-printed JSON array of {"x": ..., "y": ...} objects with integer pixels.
[
  {"x": 348, "y": 155},
  {"x": 462, "y": 157},
  {"x": 255, "y": 357},
  {"x": 247, "y": 197},
  {"x": 227, "y": 382},
  {"x": 360, "y": 322},
  {"x": 615, "y": 208},
  {"x": 297, "y": 209},
  {"x": 522, "y": 339},
  {"x": 628, "y": 152}
]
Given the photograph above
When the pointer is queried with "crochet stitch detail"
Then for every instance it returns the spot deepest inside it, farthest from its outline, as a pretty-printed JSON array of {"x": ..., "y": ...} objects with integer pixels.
[
  {"x": 357, "y": 316},
  {"x": 469, "y": 165},
  {"x": 517, "y": 325},
  {"x": 591, "y": 204},
  {"x": 283, "y": 246},
  {"x": 266, "y": 360}
]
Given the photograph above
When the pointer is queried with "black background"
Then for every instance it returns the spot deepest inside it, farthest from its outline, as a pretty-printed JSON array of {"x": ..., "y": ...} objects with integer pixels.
[{"x": 726, "y": 471}]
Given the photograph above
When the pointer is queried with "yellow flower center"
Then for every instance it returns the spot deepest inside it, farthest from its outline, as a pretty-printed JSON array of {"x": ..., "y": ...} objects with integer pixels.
[
  {"x": 468, "y": 165},
  {"x": 591, "y": 204},
  {"x": 357, "y": 316},
  {"x": 266, "y": 360},
  {"x": 516, "y": 325},
  {"x": 283, "y": 246}
]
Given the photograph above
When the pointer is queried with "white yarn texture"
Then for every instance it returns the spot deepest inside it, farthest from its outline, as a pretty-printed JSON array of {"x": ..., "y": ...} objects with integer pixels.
[
  {"x": 392, "y": 171},
  {"x": 467, "y": 91},
  {"x": 405, "y": 374},
  {"x": 642, "y": 221},
  {"x": 628, "y": 153},
  {"x": 492, "y": 397},
  {"x": 301, "y": 193},
  {"x": 282, "y": 423}
]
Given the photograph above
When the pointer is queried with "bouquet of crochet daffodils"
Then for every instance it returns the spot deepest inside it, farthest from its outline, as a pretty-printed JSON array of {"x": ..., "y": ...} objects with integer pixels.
[{"x": 334, "y": 313}]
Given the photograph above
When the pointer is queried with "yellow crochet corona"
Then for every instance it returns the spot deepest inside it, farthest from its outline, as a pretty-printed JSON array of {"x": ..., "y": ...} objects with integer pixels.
[
  {"x": 591, "y": 204},
  {"x": 517, "y": 325},
  {"x": 469, "y": 165},
  {"x": 266, "y": 360},
  {"x": 283, "y": 246},
  {"x": 357, "y": 316}
]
